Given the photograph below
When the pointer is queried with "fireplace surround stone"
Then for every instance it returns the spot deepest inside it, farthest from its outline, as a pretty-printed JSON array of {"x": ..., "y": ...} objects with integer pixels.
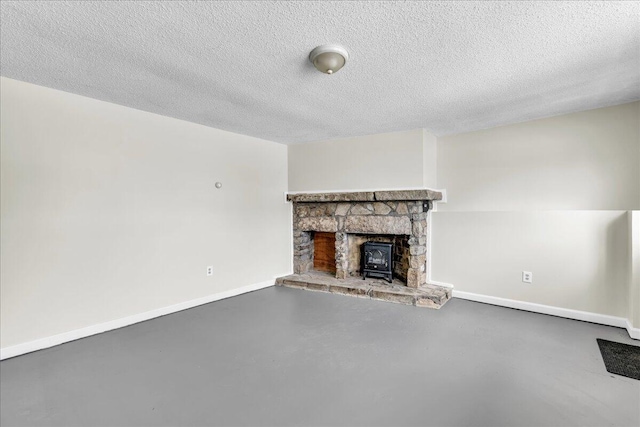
[
  {"x": 397, "y": 216},
  {"x": 376, "y": 213}
]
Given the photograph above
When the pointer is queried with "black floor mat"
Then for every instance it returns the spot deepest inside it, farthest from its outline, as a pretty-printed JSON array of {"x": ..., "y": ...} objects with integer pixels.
[{"x": 621, "y": 359}]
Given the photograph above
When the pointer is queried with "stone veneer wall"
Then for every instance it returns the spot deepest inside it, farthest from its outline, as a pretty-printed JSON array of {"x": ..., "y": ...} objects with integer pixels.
[{"x": 402, "y": 213}]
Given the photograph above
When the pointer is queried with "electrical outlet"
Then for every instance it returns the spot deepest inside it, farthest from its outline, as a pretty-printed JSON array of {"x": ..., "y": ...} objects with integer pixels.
[
  {"x": 527, "y": 277},
  {"x": 210, "y": 270}
]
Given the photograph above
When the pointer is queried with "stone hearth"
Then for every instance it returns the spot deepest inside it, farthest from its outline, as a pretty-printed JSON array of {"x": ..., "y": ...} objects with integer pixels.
[
  {"x": 430, "y": 296},
  {"x": 398, "y": 217}
]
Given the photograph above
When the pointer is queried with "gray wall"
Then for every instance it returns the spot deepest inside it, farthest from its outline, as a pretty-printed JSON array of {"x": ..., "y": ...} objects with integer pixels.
[{"x": 109, "y": 212}]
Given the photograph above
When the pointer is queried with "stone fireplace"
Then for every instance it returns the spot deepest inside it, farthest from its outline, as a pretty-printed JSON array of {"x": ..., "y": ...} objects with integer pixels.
[{"x": 396, "y": 217}]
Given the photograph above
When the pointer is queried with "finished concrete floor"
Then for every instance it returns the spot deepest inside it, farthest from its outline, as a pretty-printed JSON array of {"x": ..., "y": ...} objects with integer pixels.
[{"x": 284, "y": 356}]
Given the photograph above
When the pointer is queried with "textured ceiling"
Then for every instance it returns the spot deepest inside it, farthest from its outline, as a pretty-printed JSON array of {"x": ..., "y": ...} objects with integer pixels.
[{"x": 448, "y": 67}]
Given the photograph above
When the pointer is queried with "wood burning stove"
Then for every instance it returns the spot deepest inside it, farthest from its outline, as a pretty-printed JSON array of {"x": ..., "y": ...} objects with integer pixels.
[{"x": 377, "y": 261}]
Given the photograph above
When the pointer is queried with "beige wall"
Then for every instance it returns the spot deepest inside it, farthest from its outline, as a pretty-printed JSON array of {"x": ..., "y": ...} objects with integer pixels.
[
  {"x": 579, "y": 259},
  {"x": 383, "y": 161},
  {"x": 588, "y": 160},
  {"x": 430, "y": 160},
  {"x": 109, "y": 211},
  {"x": 548, "y": 196}
]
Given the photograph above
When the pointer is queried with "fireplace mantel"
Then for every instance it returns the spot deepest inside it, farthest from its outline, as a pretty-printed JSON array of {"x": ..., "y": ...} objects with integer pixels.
[{"x": 366, "y": 196}]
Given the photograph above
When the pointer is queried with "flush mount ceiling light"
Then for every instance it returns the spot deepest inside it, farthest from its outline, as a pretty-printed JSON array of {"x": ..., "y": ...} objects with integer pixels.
[{"x": 329, "y": 58}]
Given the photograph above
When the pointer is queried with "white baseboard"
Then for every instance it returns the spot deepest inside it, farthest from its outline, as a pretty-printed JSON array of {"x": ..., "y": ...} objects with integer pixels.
[
  {"x": 58, "y": 339},
  {"x": 633, "y": 332},
  {"x": 443, "y": 284},
  {"x": 602, "y": 319}
]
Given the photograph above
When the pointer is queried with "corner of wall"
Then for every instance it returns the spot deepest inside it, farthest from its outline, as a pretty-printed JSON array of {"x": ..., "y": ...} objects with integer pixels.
[{"x": 633, "y": 310}]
